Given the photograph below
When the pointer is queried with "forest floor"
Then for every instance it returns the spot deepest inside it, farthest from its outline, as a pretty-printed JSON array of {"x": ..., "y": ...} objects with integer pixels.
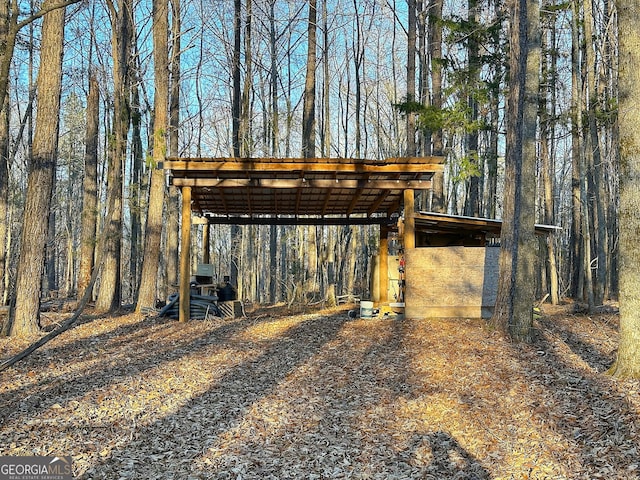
[{"x": 317, "y": 395}]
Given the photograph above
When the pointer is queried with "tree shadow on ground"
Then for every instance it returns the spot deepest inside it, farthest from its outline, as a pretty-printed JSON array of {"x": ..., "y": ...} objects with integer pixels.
[
  {"x": 586, "y": 348},
  {"x": 218, "y": 410},
  {"x": 108, "y": 362},
  {"x": 448, "y": 459},
  {"x": 590, "y": 409},
  {"x": 347, "y": 417}
]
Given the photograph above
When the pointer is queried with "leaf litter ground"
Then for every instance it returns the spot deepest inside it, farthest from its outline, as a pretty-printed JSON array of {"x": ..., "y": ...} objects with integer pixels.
[{"x": 317, "y": 395}]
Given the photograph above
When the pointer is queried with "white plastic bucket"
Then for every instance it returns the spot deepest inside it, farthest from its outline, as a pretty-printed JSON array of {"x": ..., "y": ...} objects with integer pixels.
[{"x": 366, "y": 309}]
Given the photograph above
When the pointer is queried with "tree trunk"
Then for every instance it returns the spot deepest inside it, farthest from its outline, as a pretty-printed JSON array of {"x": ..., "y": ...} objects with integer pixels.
[
  {"x": 311, "y": 254},
  {"x": 472, "y": 201},
  {"x": 42, "y": 167},
  {"x": 352, "y": 256},
  {"x": 514, "y": 305},
  {"x": 331, "y": 267},
  {"x": 594, "y": 159},
  {"x": 8, "y": 31},
  {"x": 246, "y": 141},
  {"x": 147, "y": 295},
  {"x": 109, "y": 295},
  {"x": 627, "y": 364},
  {"x": 308, "y": 112},
  {"x": 136, "y": 189},
  {"x": 90, "y": 187},
  {"x": 435, "y": 46},
  {"x": 274, "y": 140},
  {"x": 411, "y": 76},
  {"x": 325, "y": 144},
  {"x": 576, "y": 263},
  {"x": 309, "y": 284},
  {"x": 50, "y": 283},
  {"x": 173, "y": 194},
  {"x": 4, "y": 198},
  {"x": 236, "y": 232},
  {"x": 548, "y": 165},
  {"x": 358, "y": 67}
]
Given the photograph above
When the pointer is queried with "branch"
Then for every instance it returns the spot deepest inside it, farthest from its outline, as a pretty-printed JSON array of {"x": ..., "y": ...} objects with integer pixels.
[{"x": 42, "y": 12}]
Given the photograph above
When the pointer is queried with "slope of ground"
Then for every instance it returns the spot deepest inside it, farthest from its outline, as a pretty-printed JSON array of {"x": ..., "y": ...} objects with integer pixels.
[{"x": 319, "y": 395}]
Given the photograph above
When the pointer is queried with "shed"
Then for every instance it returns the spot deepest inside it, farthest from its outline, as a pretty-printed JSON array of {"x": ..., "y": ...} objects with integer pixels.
[
  {"x": 316, "y": 191},
  {"x": 453, "y": 269}
]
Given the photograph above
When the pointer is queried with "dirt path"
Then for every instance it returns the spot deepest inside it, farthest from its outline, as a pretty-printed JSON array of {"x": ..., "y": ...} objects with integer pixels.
[{"x": 319, "y": 395}]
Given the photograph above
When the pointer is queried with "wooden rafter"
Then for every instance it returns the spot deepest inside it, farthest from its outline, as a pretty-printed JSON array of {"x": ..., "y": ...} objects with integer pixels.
[
  {"x": 359, "y": 184},
  {"x": 265, "y": 188}
]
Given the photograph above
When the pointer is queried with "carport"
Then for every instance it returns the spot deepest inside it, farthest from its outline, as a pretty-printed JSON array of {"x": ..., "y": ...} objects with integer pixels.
[{"x": 310, "y": 191}]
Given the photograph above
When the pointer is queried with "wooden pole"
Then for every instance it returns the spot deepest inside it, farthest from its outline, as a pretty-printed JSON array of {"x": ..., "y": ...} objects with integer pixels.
[
  {"x": 206, "y": 243},
  {"x": 384, "y": 264},
  {"x": 185, "y": 257},
  {"x": 409, "y": 239}
]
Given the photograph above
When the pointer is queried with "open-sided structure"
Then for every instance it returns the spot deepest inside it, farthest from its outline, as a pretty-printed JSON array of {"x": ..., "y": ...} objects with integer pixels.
[{"x": 317, "y": 191}]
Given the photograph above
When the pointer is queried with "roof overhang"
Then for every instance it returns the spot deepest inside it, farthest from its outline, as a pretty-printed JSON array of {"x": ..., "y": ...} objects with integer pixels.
[
  {"x": 318, "y": 191},
  {"x": 443, "y": 223}
]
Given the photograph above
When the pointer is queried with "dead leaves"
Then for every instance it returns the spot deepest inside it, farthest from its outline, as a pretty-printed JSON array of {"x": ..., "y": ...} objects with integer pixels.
[{"x": 323, "y": 396}]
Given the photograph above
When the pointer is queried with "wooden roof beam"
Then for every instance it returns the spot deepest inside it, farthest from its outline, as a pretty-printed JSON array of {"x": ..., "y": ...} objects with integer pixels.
[
  {"x": 327, "y": 200},
  {"x": 356, "y": 198},
  {"x": 369, "y": 184},
  {"x": 223, "y": 201},
  {"x": 298, "y": 220},
  {"x": 374, "y": 206},
  {"x": 221, "y": 165}
]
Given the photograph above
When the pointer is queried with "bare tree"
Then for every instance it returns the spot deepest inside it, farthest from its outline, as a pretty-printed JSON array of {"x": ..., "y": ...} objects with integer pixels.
[
  {"x": 435, "y": 46},
  {"x": 547, "y": 120},
  {"x": 514, "y": 305},
  {"x": 42, "y": 167},
  {"x": 173, "y": 200},
  {"x": 308, "y": 112},
  {"x": 411, "y": 76},
  {"x": 109, "y": 294},
  {"x": 627, "y": 364},
  {"x": 90, "y": 187},
  {"x": 147, "y": 294}
]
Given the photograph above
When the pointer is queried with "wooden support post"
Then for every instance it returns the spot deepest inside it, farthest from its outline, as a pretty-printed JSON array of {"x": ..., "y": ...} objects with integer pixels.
[
  {"x": 384, "y": 264},
  {"x": 409, "y": 239},
  {"x": 185, "y": 257},
  {"x": 205, "y": 243}
]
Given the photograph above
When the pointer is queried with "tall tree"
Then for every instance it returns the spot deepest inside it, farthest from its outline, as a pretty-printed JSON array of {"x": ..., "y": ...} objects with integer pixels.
[
  {"x": 411, "y": 76},
  {"x": 514, "y": 304},
  {"x": 547, "y": 119},
  {"x": 236, "y": 104},
  {"x": 4, "y": 195},
  {"x": 147, "y": 294},
  {"x": 42, "y": 167},
  {"x": 109, "y": 294},
  {"x": 274, "y": 141},
  {"x": 309, "y": 102},
  {"x": 435, "y": 53},
  {"x": 89, "y": 186},
  {"x": 577, "y": 242},
  {"x": 594, "y": 157},
  {"x": 473, "y": 199},
  {"x": 10, "y": 26},
  {"x": 309, "y": 145},
  {"x": 136, "y": 182},
  {"x": 246, "y": 142},
  {"x": 627, "y": 364},
  {"x": 173, "y": 200}
]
